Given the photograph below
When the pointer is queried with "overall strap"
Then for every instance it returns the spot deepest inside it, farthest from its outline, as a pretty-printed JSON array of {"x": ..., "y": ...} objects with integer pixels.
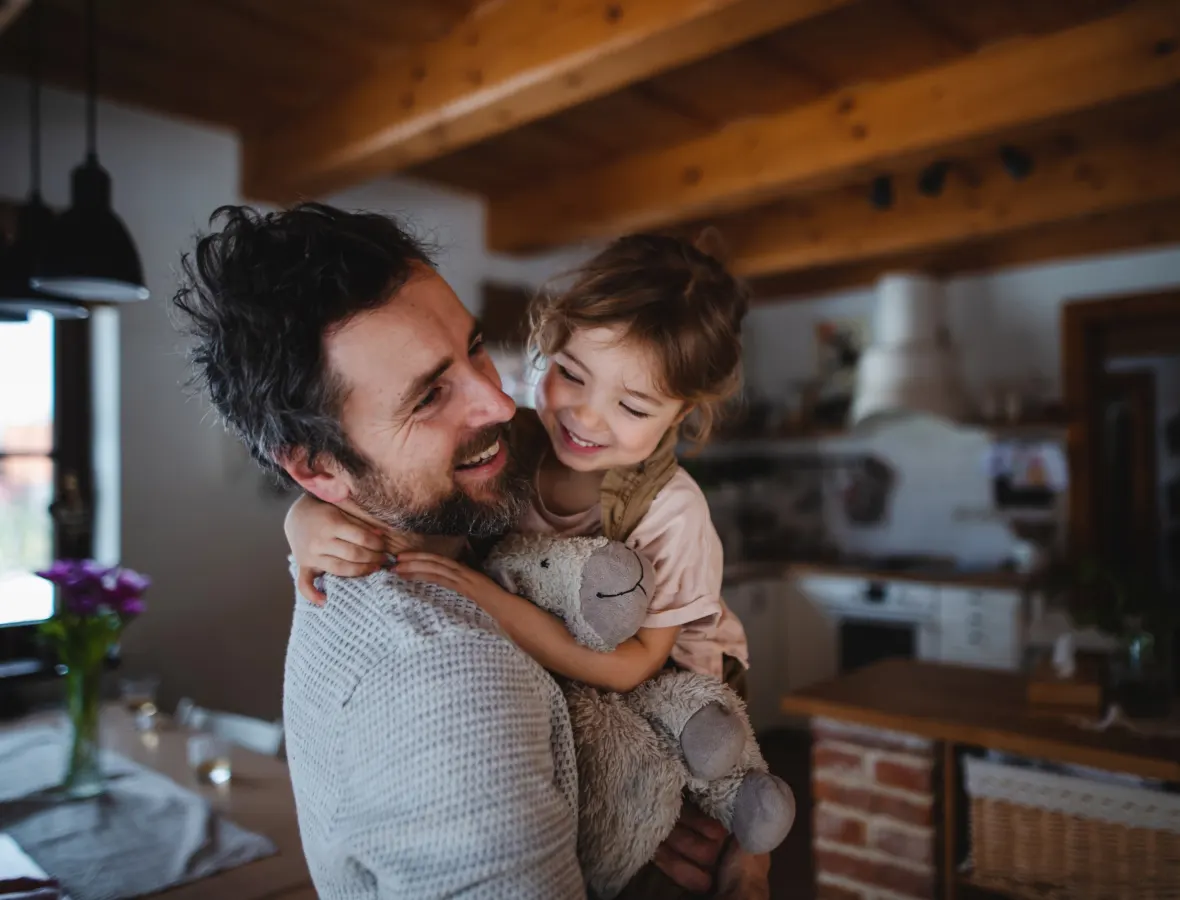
[{"x": 628, "y": 491}]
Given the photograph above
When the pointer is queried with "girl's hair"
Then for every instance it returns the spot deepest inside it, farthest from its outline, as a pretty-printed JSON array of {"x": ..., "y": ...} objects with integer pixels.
[{"x": 673, "y": 297}]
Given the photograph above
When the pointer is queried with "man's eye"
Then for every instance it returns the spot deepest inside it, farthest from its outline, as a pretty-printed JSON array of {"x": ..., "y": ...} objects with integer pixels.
[
  {"x": 568, "y": 375},
  {"x": 427, "y": 400},
  {"x": 476, "y": 346},
  {"x": 636, "y": 413}
]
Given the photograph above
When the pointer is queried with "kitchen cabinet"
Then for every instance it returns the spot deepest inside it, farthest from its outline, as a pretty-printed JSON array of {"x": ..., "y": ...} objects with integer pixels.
[
  {"x": 980, "y": 627},
  {"x": 760, "y": 605},
  {"x": 812, "y": 647}
]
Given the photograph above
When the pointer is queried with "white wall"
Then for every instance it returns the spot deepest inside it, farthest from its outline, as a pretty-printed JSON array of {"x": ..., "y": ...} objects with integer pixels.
[
  {"x": 210, "y": 539},
  {"x": 1007, "y": 329}
]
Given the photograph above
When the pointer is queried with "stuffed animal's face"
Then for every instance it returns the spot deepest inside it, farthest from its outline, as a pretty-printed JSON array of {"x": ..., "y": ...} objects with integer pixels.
[{"x": 601, "y": 589}]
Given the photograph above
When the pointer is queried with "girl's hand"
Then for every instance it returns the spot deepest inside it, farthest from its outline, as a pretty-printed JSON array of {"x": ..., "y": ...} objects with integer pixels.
[
  {"x": 323, "y": 539},
  {"x": 417, "y": 565}
]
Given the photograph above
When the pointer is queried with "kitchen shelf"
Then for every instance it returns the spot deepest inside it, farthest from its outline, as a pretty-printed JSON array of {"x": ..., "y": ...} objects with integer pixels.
[
  {"x": 1045, "y": 429},
  {"x": 809, "y": 441}
]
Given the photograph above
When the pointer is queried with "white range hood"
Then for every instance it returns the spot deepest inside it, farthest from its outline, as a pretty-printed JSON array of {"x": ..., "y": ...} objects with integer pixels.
[{"x": 911, "y": 368}]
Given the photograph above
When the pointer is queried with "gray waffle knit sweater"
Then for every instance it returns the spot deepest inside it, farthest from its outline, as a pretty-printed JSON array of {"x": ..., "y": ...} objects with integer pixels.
[{"x": 430, "y": 757}]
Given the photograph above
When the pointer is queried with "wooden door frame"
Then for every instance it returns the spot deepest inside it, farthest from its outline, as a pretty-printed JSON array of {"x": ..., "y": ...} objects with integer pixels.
[
  {"x": 1139, "y": 392},
  {"x": 1084, "y": 327}
]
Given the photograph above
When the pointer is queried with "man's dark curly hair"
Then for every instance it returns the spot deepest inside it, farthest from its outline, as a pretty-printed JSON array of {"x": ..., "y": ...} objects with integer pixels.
[{"x": 257, "y": 298}]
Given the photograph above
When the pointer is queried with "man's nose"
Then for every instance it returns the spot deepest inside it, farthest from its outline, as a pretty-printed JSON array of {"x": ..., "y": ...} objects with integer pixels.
[{"x": 490, "y": 405}]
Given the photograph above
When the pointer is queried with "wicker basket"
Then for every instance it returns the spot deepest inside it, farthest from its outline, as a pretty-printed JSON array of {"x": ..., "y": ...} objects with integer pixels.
[{"x": 1040, "y": 834}]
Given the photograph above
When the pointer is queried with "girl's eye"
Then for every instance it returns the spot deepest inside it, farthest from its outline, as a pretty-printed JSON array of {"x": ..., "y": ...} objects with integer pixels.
[
  {"x": 636, "y": 413},
  {"x": 567, "y": 374},
  {"x": 428, "y": 400}
]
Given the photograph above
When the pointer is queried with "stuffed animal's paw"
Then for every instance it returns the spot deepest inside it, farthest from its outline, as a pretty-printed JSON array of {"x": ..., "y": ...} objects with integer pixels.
[
  {"x": 763, "y": 812},
  {"x": 712, "y": 741}
]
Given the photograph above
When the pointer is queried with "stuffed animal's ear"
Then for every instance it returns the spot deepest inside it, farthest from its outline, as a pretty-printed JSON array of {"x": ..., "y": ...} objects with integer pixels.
[{"x": 496, "y": 570}]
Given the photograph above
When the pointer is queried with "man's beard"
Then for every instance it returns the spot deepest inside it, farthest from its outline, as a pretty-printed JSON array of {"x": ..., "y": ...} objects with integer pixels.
[{"x": 457, "y": 514}]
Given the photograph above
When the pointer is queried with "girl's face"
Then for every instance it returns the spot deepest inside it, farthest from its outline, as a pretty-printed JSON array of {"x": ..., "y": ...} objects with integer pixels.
[{"x": 599, "y": 402}]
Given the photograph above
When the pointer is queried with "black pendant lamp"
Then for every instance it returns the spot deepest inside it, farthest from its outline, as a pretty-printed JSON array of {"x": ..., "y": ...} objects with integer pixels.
[
  {"x": 34, "y": 219},
  {"x": 90, "y": 256}
]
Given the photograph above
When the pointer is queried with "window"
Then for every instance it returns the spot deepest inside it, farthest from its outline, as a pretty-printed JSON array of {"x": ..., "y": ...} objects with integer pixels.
[
  {"x": 26, "y": 467},
  {"x": 45, "y": 458}
]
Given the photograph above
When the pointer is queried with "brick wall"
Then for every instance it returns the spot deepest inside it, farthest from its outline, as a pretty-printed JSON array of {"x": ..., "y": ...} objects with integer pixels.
[{"x": 874, "y": 813}]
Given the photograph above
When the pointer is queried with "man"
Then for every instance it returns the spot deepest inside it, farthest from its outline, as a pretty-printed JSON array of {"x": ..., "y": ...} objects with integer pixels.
[{"x": 429, "y": 756}]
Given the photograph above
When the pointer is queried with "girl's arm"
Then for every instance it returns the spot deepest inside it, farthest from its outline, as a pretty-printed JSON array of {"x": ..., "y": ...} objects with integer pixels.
[
  {"x": 323, "y": 539},
  {"x": 542, "y": 635}
]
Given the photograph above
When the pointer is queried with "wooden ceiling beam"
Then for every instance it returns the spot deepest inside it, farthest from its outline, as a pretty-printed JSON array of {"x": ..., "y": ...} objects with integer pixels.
[
  {"x": 1070, "y": 180},
  {"x": 833, "y": 140},
  {"x": 511, "y": 63},
  {"x": 1136, "y": 228}
]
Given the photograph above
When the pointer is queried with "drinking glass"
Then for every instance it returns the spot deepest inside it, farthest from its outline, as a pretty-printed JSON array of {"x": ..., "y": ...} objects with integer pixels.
[
  {"x": 139, "y": 697},
  {"x": 208, "y": 756}
]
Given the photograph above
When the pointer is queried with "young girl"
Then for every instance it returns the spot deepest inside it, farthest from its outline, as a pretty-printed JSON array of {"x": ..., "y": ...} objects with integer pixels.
[{"x": 642, "y": 347}]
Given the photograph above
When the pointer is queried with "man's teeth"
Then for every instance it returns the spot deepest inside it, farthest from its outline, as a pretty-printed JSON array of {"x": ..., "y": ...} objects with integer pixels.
[
  {"x": 579, "y": 442},
  {"x": 483, "y": 456}
]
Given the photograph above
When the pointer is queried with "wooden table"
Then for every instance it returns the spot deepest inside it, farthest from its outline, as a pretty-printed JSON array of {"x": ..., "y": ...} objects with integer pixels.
[
  {"x": 258, "y": 798},
  {"x": 961, "y": 706}
]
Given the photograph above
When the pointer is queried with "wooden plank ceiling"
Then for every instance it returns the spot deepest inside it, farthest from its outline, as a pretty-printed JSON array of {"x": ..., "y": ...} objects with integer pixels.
[{"x": 773, "y": 119}]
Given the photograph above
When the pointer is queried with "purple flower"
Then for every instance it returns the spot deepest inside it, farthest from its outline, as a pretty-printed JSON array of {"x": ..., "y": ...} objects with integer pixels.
[
  {"x": 69, "y": 573},
  {"x": 133, "y": 606},
  {"x": 124, "y": 592},
  {"x": 80, "y": 581},
  {"x": 87, "y": 587}
]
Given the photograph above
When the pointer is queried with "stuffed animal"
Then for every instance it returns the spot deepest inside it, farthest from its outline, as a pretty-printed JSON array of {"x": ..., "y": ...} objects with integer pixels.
[{"x": 640, "y": 752}]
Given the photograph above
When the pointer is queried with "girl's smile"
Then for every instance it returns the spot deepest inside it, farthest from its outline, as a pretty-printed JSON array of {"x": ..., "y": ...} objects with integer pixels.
[{"x": 600, "y": 401}]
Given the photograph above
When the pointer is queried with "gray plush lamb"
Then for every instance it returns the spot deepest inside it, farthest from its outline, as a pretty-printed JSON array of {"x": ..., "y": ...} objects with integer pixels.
[{"x": 640, "y": 752}]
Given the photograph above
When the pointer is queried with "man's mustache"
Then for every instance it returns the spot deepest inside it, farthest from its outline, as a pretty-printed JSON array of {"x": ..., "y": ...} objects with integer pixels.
[{"x": 480, "y": 442}]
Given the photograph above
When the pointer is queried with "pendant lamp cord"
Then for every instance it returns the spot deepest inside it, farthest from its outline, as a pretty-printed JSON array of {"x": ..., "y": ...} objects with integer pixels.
[
  {"x": 91, "y": 79},
  {"x": 35, "y": 98}
]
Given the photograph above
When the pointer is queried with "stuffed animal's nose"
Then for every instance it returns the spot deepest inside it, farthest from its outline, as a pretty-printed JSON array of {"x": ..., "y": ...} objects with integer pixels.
[{"x": 616, "y": 589}]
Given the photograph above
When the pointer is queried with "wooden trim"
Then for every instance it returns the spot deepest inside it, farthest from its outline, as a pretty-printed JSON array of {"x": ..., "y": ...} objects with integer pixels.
[
  {"x": 73, "y": 438},
  {"x": 983, "y": 736},
  {"x": 511, "y": 63},
  {"x": 10, "y": 11},
  {"x": 1149, "y": 226},
  {"x": 950, "y": 827},
  {"x": 842, "y": 227},
  {"x": 1137, "y": 388},
  {"x": 1083, "y": 324},
  {"x": 830, "y": 141}
]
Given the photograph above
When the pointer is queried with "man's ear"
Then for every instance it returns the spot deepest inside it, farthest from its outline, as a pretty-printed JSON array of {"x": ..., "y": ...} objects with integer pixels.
[{"x": 325, "y": 480}]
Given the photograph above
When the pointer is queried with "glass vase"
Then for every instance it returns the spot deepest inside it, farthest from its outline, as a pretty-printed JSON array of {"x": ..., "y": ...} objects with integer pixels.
[
  {"x": 1140, "y": 674},
  {"x": 83, "y": 775}
]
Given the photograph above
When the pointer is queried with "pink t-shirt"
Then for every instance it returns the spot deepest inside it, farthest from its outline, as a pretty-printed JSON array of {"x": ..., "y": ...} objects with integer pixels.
[{"x": 678, "y": 537}]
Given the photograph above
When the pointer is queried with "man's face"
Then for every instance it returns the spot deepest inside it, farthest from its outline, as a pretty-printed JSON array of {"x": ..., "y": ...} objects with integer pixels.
[{"x": 424, "y": 406}]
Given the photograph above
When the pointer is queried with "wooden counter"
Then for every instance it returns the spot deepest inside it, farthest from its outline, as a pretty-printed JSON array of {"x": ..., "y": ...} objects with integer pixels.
[
  {"x": 981, "y": 708},
  {"x": 960, "y": 707}
]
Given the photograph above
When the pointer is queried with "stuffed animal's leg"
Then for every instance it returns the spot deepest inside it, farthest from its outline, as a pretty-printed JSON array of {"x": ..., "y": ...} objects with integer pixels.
[
  {"x": 699, "y": 718},
  {"x": 629, "y": 789},
  {"x": 759, "y": 808}
]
